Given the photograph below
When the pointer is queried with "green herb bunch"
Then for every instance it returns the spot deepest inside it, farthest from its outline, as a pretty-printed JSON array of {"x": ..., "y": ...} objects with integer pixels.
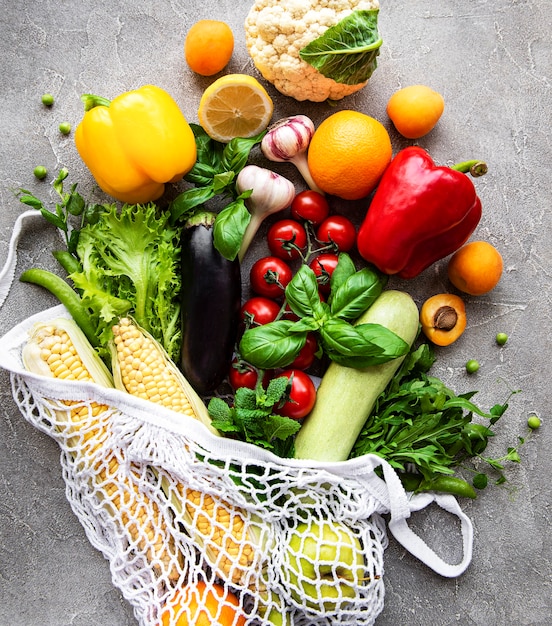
[
  {"x": 426, "y": 431},
  {"x": 253, "y": 419},
  {"x": 352, "y": 292}
]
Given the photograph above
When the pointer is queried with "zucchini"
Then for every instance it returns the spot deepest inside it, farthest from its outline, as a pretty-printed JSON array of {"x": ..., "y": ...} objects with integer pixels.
[
  {"x": 211, "y": 300},
  {"x": 346, "y": 396}
]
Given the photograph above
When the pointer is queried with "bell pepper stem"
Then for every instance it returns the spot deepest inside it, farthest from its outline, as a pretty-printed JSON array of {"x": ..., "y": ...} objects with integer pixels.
[
  {"x": 474, "y": 167},
  {"x": 90, "y": 101}
]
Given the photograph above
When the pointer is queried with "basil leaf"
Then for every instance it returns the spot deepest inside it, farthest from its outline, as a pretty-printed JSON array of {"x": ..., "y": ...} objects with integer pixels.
[
  {"x": 302, "y": 294},
  {"x": 229, "y": 227},
  {"x": 345, "y": 267},
  {"x": 188, "y": 200},
  {"x": 305, "y": 324},
  {"x": 271, "y": 345},
  {"x": 356, "y": 294},
  {"x": 236, "y": 152},
  {"x": 348, "y": 51},
  {"x": 209, "y": 151},
  {"x": 201, "y": 174},
  {"x": 362, "y": 345},
  {"x": 224, "y": 182}
]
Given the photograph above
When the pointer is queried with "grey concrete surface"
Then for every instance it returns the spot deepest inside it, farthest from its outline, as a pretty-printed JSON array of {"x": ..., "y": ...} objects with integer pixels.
[{"x": 492, "y": 62}]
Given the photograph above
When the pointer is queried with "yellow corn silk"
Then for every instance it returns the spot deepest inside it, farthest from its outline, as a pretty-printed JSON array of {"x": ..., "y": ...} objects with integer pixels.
[
  {"x": 136, "y": 143},
  {"x": 59, "y": 349}
]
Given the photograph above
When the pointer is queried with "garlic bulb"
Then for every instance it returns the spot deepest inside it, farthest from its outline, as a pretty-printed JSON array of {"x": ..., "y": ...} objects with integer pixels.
[
  {"x": 288, "y": 140},
  {"x": 270, "y": 193}
]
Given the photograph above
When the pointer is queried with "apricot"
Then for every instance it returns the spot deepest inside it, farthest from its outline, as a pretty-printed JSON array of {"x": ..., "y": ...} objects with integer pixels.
[
  {"x": 443, "y": 318},
  {"x": 415, "y": 110},
  {"x": 475, "y": 268}
]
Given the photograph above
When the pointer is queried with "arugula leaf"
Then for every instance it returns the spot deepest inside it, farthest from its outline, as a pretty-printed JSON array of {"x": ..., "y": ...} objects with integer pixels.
[
  {"x": 418, "y": 421},
  {"x": 252, "y": 417},
  {"x": 348, "y": 51}
]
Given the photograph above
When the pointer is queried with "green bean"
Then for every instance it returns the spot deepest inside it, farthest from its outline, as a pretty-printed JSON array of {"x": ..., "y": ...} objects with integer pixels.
[
  {"x": 443, "y": 484},
  {"x": 410, "y": 480},
  {"x": 69, "y": 263},
  {"x": 67, "y": 296},
  {"x": 449, "y": 484}
]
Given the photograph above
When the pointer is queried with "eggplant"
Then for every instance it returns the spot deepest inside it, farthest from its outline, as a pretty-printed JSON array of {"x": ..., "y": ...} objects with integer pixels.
[{"x": 211, "y": 300}]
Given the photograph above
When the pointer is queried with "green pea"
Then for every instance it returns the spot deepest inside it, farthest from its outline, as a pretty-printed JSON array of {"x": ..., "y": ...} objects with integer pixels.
[
  {"x": 47, "y": 99},
  {"x": 65, "y": 128},
  {"x": 533, "y": 422},
  {"x": 472, "y": 366},
  {"x": 40, "y": 172},
  {"x": 501, "y": 338}
]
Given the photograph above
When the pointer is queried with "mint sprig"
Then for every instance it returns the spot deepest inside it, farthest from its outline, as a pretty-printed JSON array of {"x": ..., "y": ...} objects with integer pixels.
[{"x": 253, "y": 419}]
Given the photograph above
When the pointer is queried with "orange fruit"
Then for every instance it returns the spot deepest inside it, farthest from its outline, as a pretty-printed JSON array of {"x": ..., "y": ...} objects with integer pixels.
[
  {"x": 207, "y": 605},
  {"x": 208, "y": 46},
  {"x": 348, "y": 154},
  {"x": 475, "y": 268},
  {"x": 415, "y": 110}
]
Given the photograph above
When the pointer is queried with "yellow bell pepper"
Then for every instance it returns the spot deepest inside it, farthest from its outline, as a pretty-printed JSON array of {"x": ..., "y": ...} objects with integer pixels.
[{"x": 136, "y": 143}]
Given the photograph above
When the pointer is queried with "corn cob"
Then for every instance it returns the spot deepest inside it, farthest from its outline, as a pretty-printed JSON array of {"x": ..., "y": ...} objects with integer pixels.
[
  {"x": 229, "y": 538},
  {"x": 142, "y": 368},
  {"x": 59, "y": 349}
]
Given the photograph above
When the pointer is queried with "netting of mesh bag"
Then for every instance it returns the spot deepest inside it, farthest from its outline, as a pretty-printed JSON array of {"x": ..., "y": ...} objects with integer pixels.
[{"x": 172, "y": 514}]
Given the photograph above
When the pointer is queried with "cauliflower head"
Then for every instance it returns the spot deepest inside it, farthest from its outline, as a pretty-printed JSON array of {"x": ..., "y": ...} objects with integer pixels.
[{"x": 276, "y": 31}]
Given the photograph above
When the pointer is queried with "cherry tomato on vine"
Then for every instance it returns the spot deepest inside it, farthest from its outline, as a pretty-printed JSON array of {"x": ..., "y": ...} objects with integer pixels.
[
  {"x": 244, "y": 375},
  {"x": 339, "y": 230},
  {"x": 310, "y": 206},
  {"x": 288, "y": 314},
  {"x": 306, "y": 355},
  {"x": 286, "y": 238},
  {"x": 269, "y": 276},
  {"x": 323, "y": 266},
  {"x": 302, "y": 395},
  {"x": 259, "y": 311}
]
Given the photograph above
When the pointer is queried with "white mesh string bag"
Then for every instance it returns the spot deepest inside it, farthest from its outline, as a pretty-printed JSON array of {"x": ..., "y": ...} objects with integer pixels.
[{"x": 177, "y": 510}]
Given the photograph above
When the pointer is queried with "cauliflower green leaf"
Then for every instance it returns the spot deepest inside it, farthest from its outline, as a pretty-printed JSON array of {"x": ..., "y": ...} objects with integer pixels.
[{"x": 347, "y": 52}]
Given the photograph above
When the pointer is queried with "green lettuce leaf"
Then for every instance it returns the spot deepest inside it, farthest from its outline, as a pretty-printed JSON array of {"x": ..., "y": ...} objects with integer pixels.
[
  {"x": 348, "y": 51},
  {"x": 130, "y": 263}
]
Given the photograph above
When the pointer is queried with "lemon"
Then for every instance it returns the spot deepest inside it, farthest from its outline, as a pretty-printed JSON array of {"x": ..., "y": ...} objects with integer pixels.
[{"x": 235, "y": 105}]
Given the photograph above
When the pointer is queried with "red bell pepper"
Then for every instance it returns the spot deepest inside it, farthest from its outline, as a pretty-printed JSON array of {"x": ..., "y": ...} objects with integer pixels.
[{"x": 420, "y": 213}]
